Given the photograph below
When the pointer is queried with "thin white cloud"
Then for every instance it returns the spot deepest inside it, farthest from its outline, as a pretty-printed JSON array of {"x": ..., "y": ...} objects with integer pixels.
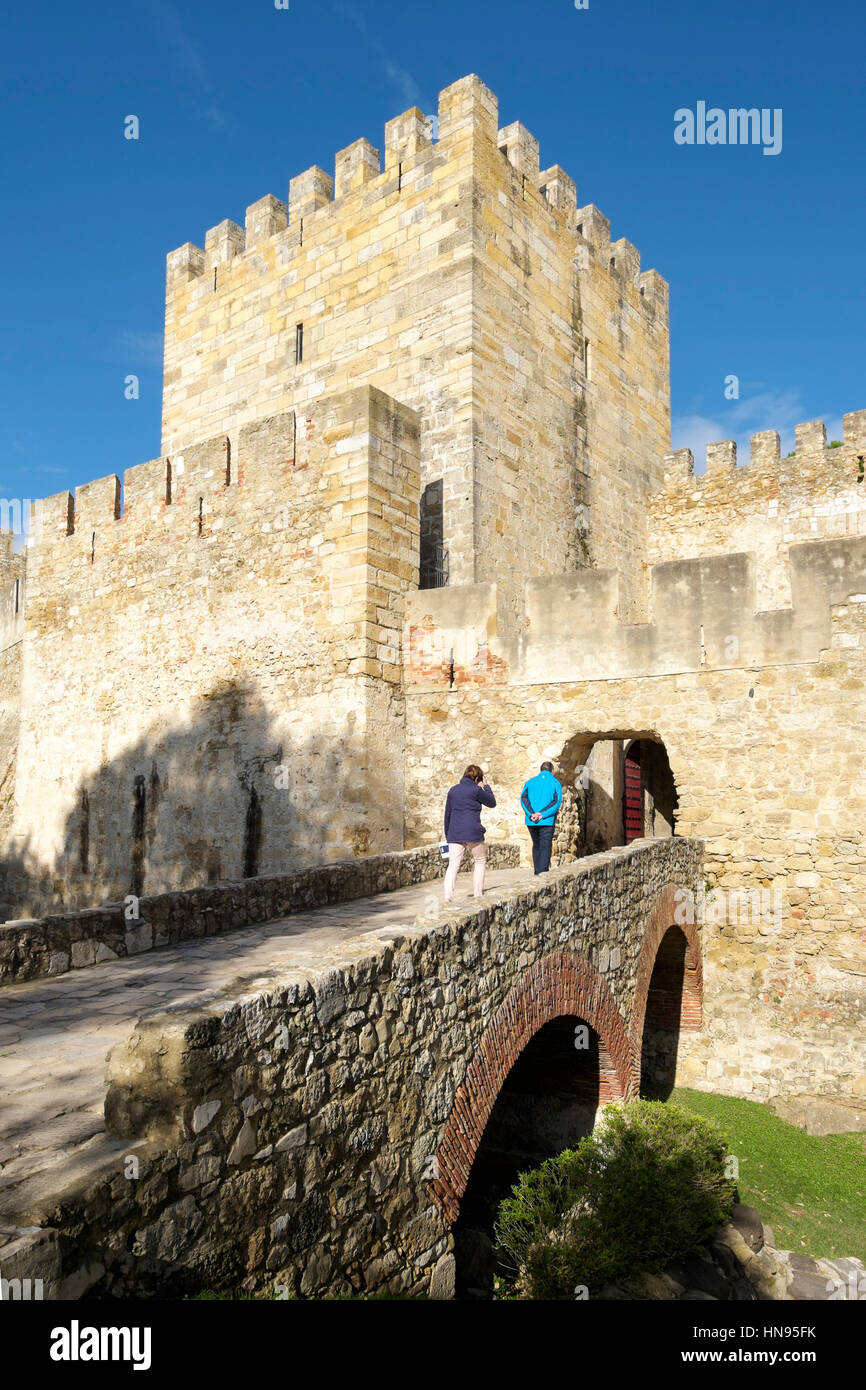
[
  {"x": 143, "y": 347},
  {"x": 740, "y": 419},
  {"x": 187, "y": 60},
  {"x": 409, "y": 89}
]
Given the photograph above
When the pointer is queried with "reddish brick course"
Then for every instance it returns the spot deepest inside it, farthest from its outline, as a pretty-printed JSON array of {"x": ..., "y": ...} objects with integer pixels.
[
  {"x": 691, "y": 1008},
  {"x": 561, "y": 983}
]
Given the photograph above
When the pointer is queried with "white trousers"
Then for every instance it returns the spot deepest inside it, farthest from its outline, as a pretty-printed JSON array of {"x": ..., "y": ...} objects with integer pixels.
[{"x": 478, "y": 850}]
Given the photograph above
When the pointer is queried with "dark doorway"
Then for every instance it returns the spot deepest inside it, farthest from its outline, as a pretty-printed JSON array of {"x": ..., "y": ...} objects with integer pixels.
[
  {"x": 662, "y": 1022},
  {"x": 139, "y": 812},
  {"x": 252, "y": 835},
  {"x": 433, "y": 569},
  {"x": 549, "y": 1101}
]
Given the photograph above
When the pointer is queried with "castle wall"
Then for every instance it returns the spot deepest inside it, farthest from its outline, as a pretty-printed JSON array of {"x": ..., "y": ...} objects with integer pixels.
[
  {"x": 215, "y": 672},
  {"x": 210, "y": 681},
  {"x": 570, "y": 438},
  {"x": 13, "y": 576},
  {"x": 464, "y": 281},
  {"x": 766, "y": 505},
  {"x": 765, "y": 751},
  {"x": 377, "y": 266}
]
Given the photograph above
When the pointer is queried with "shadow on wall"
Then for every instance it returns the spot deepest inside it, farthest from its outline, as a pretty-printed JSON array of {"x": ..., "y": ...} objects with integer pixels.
[{"x": 226, "y": 794}]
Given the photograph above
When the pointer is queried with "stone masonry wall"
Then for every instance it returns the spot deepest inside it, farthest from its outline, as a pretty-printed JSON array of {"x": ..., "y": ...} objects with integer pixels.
[
  {"x": 210, "y": 680},
  {"x": 767, "y": 762},
  {"x": 286, "y": 1137},
  {"x": 464, "y": 281},
  {"x": 13, "y": 575},
  {"x": 765, "y": 506},
  {"x": 32, "y": 950}
]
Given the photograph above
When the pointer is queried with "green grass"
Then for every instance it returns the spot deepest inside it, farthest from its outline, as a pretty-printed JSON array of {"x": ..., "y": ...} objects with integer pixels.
[{"x": 810, "y": 1188}]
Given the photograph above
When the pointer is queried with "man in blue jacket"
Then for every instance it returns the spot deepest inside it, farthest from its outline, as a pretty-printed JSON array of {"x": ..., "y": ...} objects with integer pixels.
[{"x": 541, "y": 799}]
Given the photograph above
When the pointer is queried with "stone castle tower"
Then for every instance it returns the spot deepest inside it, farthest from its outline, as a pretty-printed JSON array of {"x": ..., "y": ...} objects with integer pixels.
[{"x": 414, "y": 501}]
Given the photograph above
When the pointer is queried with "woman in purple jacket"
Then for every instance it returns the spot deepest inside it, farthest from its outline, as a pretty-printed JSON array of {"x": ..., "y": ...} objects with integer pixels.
[{"x": 463, "y": 828}]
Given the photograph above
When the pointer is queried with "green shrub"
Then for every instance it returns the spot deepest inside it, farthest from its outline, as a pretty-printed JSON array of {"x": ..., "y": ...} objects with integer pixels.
[{"x": 646, "y": 1187}]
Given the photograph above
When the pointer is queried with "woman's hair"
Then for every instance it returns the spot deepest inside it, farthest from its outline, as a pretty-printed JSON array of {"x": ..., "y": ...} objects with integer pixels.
[{"x": 474, "y": 771}]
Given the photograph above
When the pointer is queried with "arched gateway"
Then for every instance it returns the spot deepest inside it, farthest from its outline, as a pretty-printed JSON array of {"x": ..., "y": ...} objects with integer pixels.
[{"x": 563, "y": 984}]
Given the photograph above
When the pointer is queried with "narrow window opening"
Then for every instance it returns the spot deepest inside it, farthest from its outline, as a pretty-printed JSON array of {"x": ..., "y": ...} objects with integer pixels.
[
  {"x": 451, "y": 669},
  {"x": 613, "y": 262},
  {"x": 434, "y": 559},
  {"x": 586, "y": 357},
  {"x": 139, "y": 814},
  {"x": 214, "y": 276},
  {"x": 294, "y": 437},
  {"x": 301, "y": 232},
  {"x": 200, "y": 515},
  {"x": 252, "y": 835},
  {"x": 642, "y": 291},
  {"x": 580, "y": 229},
  {"x": 84, "y": 833},
  {"x": 93, "y": 547},
  {"x": 299, "y": 343},
  {"x": 17, "y": 593},
  {"x": 228, "y": 462},
  {"x": 168, "y": 482},
  {"x": 399, "y": 176},
  {"x": 524, "y": 187}
]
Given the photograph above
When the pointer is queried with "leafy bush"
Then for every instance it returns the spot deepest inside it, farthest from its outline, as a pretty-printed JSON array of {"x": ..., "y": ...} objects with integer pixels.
[{"x": 646, "y": 1187}]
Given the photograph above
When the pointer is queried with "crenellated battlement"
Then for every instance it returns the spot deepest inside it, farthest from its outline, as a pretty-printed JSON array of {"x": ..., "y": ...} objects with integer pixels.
[
  {"x": 288, "y": 476},
  {"x": 706, "y": 616},
  {"x": 466, "y": 109},
  {"x": 813, "y": 459},
  {"x": 173, "y": 494},
  {"x": 769, "y": 504}
]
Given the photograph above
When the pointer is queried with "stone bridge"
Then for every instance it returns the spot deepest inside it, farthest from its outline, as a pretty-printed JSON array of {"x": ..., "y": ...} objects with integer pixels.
[{"x": 309, "y": 1102}]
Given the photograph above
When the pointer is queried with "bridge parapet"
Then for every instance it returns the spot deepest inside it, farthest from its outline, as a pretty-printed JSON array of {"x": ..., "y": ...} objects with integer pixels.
[
  {"x": 318, "y": 1131},
  {"x": 32, "y": 949}
]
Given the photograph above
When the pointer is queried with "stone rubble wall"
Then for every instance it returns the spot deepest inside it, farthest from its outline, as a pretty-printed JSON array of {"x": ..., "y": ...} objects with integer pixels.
[
  {"x": 289, "y": 1137},
  {"x": 31, "y": 950},
  {"x": 769, "y": 771}
]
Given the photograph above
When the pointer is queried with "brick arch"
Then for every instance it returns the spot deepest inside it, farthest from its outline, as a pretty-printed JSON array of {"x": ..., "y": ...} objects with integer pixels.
[
  {"x": 558, "y": 984},
  {"x": 662, "y": 918}
]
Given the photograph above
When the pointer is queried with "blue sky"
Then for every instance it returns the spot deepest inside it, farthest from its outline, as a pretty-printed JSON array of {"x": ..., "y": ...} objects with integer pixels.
[{"x": 764, "y": 254}]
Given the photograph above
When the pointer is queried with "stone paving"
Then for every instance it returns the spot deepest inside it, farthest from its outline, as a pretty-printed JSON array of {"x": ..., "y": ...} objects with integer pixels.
[{"x": 55, "y": 1034}]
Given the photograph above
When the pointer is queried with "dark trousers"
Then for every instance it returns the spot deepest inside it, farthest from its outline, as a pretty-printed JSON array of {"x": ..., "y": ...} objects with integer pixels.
[{"x": 542, "y": 844}]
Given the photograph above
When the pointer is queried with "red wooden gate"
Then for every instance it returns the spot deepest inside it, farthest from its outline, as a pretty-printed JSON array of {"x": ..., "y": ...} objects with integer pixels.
[{"x": 633, "y": 797}]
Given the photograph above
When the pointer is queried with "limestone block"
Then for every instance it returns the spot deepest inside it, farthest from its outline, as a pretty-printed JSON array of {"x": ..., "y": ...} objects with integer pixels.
[
  {"x": 264, "y": 219},
  {"x": 355, "y": 166}
]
